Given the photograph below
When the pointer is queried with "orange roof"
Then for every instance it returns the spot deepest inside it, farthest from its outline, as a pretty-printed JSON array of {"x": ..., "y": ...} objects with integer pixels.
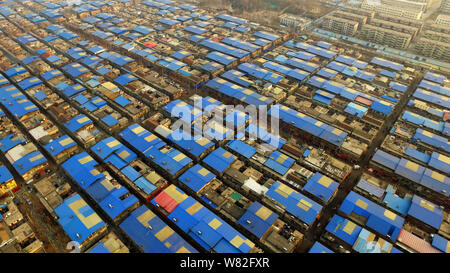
[{"x": 150, "y": 45}]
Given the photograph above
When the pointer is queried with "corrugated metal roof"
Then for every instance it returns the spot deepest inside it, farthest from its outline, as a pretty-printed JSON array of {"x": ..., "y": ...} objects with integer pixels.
[
  {"x": 426, "y": 212},
  {"x": 319, "y": 248},
  {"x": 344, "y": 229},
  {"x": 78, "y": 219},
  {"x": 279, "y": 162},
  {"x": 385, "y": 159},
  {"x": 295, "y": 203},
  {"x": 368, "y": 243},
  {"x": 28, "y": 162},
  {"x": 169, "y": 198},
  {"x": 196, "y": 177},
  {"x": 208, "y": 229},
  {"x": 441, "y": 243},
  {"x": 152, "y": 235},
  {"x": 258, "y": 219},
  {"x": 219, "y": 159},
  {"x": 321, "y": 186},
  {"x": 59, "y": 145},
  {"x": 242, "y": 148},
  {"x": 416, "y": 243},
  {"x": 380, "y": 219}
]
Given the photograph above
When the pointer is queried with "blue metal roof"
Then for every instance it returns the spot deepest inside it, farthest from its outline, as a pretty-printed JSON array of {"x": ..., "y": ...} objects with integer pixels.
[
  {"x": 237, "y": 118},
  {"x": 355, "y": 109},
  {"x": 51, "y": 74},
  {"x": 279, "y": 162},
  {"x": 445, "y": 91},
  {"x": 118, "y": 201},
  {"x": 441, "y": 243},
  {"x": 59, "y": 145},
  {"x": 413, "y": 153},
  {"x": 257, "y": 219},
  {"x": 308, "y": 124},
  {"x": 435, "y": 77},
  {"x": 266, "y": 35},
  {"x": 321, "y": 186},
  {"x": 210, "y": 231},
  {"x": 220, "y": 57},
  {"x": 194, "y": 145},
  {"x": 387, "y": 64},
  {"x": 327, "y": 73},
  {"x": 344, "y": 229},
  {"x": 110, "y": 120},
  {"x": 431, "y": 139},
  {"x": 207, "y": 104},
  {"x": 366, "y": 243},
  {"x": 310, "y": 67},
  {"x": 78, "y": 219},
  {"x": 323, "y": 44},
  {"x": 370, "y": 188},
  {"x": 385, "y": 159},
  {"x": 196, "y": 38},
  {"x": 169, "y": 22},
  {"x": 3, "y": 80},
  {"x": 323, "y": 97},
  {"x": 219, "y": 159},
  {"x": 212, "y": 66},
  {"x": 437, "y": 182},
  {"x": 306, "y": 56},
  {"x": 76, "y": 53},
  {"x": 113, "y": 200},
  {"x": 196, "y": 177},
  {"x": 124, "y": 79},
  {"x": 195, "y": 30},
  {"x": 71, "y": 91},
  {"x": 14, "y": 71},
  {"x": 230, "y": 18},
  {"x": 152, "y": 235},
  {"x": 140, "y": 138},
  {"x": 398, "y": 204},
  {"x": 110, "y": 145},
  {"x": 180, "y": 55},
  {"x": 77, "y": 123},
  {"x": 242, "y": 148},
  {"x": 388, "y": 73},
  {"x": 295, "y": 203},
  {"x": 382, "y": 106},
  {"x": 168, "y": 158},
  {"x": 237, "y": 77},
  {"x": 5, "y": 175},
  {"x": 319, "y": 248},
  {"x": 75, "y": 69},
  {"x": 337, "y": 66},
  {"x": 79, "y": 167},
  {"x": 25, "y": 39},
  {"x": 262, "y": 134},
  {"x": 426, "y": 212},
  {"x": 10, "y": 141},
  {"x": 226, "y": 49},
  {"x": 240, "y": 44},
  {"x": 378, "y": 218},
  {"x": 28, "y": 162},
  {"x": 440, "y": 162}
]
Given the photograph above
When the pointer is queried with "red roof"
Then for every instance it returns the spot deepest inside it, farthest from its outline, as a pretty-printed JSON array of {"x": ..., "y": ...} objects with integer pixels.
[
  {"x": 150, "y": 45},
  {"x": 166, "y": 202},
  {"x": 363, "y": 100},
  {"x": 416, "y": 243}
]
